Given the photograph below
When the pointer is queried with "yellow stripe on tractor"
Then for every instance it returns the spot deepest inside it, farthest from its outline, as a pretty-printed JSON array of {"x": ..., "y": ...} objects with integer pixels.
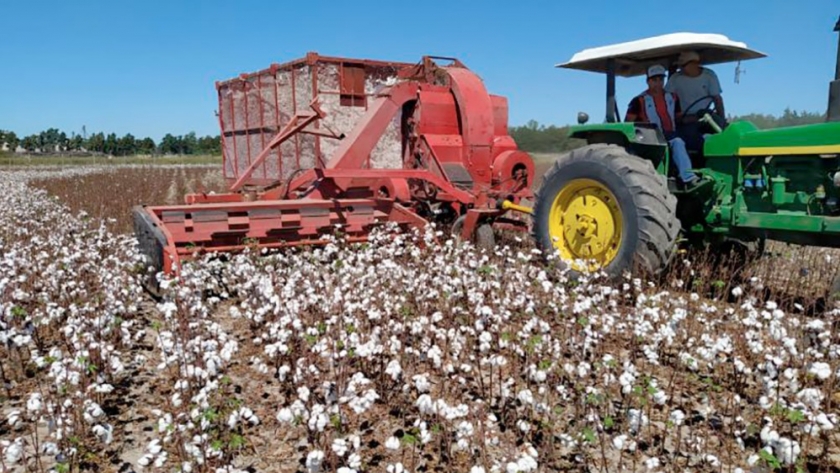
[{"x": 772, "y": 150}]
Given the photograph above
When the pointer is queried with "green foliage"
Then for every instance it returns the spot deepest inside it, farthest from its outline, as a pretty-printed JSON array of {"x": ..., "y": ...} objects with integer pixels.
[
  {"x": 54, "y": 141},
  {"x": 788, "y": 118},
  {"x": 536, "y": 138}
]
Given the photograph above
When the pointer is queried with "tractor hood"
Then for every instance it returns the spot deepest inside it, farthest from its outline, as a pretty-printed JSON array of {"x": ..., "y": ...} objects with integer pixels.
[{"x": 744, "y": 139}]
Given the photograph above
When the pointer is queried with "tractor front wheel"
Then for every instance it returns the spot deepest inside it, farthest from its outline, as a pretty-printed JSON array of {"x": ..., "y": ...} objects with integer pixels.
[{"x": 600, "y": 208}]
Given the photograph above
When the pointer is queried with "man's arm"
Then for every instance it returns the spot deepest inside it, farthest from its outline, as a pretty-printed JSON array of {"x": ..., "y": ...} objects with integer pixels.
[
  {"x": 632, "y": 111},
  {"x": 719, "y": 105},
  {"x": 715, "y": 91}
]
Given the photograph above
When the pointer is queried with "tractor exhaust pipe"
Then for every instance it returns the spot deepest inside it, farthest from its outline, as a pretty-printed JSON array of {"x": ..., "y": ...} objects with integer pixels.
[{"x": 833, "y": 113}]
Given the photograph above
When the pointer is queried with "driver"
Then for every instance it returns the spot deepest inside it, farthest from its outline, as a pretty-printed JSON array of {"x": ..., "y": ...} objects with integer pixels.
[
  {"x": 662, "y": 108},
  {"x": 697, "y": 87}
]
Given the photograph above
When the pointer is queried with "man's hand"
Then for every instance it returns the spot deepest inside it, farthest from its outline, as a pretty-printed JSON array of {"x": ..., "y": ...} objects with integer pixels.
[{"x": 719, "y": 106}]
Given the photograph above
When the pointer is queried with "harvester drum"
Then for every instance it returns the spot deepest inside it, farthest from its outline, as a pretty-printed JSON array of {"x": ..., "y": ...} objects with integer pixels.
[{"x": 324, "y": 144}]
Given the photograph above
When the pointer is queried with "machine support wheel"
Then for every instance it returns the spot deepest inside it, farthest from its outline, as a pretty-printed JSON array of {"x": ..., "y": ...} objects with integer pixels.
[
  {"x": 483, "y": 236},
  {"x": 602, "y": 208}
]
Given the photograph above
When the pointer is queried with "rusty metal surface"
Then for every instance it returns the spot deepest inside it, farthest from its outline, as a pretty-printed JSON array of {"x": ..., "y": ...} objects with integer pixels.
[{"x": 254, "y": 107}]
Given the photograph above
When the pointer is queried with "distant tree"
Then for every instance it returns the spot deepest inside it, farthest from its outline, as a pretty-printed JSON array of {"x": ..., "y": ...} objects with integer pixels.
[
  {"x": 146, "y": 146},
  {"x": 96, "y": 143},
  {"x": 189, "y": 143},
  {"x": 170, "y": 145},
  {"x": 30, "y": 143},
  {"x": 111, "y": 145},
  {"x": 12, "y": 140},
  {"x": 126, "y": 146},
  {"x": 788, "y": 118},
  {"x": 75, "y": 143},
  {"x": 538, "y": 138},
  {"x": 209, "y": 145}
]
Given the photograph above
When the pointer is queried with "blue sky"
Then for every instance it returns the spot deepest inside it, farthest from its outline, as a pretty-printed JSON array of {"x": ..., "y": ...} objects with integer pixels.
[{"x": 149, "y": 67}]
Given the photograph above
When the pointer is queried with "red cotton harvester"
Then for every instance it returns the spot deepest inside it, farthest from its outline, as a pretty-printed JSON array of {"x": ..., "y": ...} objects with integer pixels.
[{"x": 325, "y": 143}]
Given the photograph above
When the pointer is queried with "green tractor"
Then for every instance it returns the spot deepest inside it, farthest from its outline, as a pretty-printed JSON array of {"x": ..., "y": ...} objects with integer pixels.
[{"x": 615, "y": 205}]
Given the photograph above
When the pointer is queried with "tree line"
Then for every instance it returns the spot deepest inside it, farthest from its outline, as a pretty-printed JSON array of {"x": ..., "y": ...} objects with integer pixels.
[
  {"x": 537, "y": 138},
  {"x": 54, "y": 141},
  {"x": 532, "y": 137}
]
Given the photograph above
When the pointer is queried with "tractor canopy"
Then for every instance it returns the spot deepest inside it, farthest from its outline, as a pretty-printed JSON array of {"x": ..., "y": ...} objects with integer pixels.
[{"x": 632, "y": 58}]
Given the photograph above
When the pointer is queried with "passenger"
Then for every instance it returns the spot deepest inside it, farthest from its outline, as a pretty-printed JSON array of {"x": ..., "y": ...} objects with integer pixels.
[
  {"x": 662, "y": 108},
  {"x": 697, "y": 87}
]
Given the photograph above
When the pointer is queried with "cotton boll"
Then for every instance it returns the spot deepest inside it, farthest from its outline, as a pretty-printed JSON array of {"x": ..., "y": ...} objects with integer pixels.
[
  {"x": 392, "y": 443},
  {"x": 820, "y": 369}
]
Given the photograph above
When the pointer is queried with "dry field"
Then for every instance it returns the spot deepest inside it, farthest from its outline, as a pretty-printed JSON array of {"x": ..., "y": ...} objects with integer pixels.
[{"x": 392, "y": 356}]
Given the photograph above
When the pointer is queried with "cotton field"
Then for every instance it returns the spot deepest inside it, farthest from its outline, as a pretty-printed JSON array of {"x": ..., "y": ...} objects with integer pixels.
[{"x": 407, "y": 353}]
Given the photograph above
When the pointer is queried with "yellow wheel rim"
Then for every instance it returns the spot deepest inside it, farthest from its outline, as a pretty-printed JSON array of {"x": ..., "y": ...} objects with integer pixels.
[{"x": 585, "y": 225}]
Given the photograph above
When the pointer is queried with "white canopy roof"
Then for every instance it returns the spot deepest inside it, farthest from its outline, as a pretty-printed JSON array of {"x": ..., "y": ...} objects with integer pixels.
[{"x": 633, "y": 58}]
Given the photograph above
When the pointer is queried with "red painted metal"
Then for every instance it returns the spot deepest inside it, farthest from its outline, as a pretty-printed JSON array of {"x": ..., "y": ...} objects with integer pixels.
[{"x": 455, "y": 154}]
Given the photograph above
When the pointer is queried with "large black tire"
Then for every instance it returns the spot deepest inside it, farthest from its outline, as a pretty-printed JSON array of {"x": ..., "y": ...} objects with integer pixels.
[{"x": 649, "y": 225}]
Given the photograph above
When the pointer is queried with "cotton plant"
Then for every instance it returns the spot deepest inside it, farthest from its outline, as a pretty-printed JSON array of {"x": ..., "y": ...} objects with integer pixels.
[{"x": 393, "y": 350}]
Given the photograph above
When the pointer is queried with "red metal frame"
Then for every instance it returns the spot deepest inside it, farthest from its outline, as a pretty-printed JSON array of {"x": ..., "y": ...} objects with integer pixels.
[{"x": 456, "y": 152}]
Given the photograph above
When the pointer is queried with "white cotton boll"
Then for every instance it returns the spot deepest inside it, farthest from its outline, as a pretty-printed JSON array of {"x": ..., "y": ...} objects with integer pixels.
[
  {"x": 526, "y": 463},
  {"x": 811, "y": 397},
  {"x": 626, "y": 381},
  {"x": 103, "y": 388},
  {"x": 161, "y": 459},
  {"x": 539, "y": 376},
  {"x": 619, "y": 442},
  {"x": 824, "y": 422},
  {"x": 314, "y": 460},
  {"x": 477, "y": 469},
  {"x": 712, "y": 460},
  {"x": 345, "y": 469},
  {"x": 12, "y": 451},
  {"x": 339, "y": 446},
  {"x": 425, "y": 404},
  {"x": 49, "y": 448},
  {"x": 303, "y": 393},
  {"x": 421, "y": 382},
  {"x": 677, "y": 417},
  {"x": 637, "y": 419},
  {"x": 13, "y": 419},
  {"x": 820, "y": 369},
  {"x": 392, "y": 443},
  {"x": 787, "y": 451},
  {"x": 394, "y": 369},
  {"x": 145, "y": 460},
  {"x": 768, "y": 435},
  {"x": 395, "y": 468},
  {"x": 512, "y": 467},
  {"x": 33, "y": 404},
  {"x": 105, "y": 432},
  {"x": 354, "y": 461},
  {"x": 652, "y": 463},
  {"x": 525, "y": 397},
  {"x": 737, "y": 291},
  {"x": 659, "y": 397}
]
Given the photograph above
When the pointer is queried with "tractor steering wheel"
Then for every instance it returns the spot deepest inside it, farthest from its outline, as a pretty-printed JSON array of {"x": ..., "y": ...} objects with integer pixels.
[{"x": 710, "y": 109}]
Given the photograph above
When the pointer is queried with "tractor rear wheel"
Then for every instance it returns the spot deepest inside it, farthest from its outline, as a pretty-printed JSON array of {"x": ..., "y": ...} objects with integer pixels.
[{"x": 603, "y": 209}]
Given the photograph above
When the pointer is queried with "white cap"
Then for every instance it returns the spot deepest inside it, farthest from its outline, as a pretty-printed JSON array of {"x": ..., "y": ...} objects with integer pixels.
[
  {"x": 656, "y": 70},
  {"x": 686, "y": 57}
]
